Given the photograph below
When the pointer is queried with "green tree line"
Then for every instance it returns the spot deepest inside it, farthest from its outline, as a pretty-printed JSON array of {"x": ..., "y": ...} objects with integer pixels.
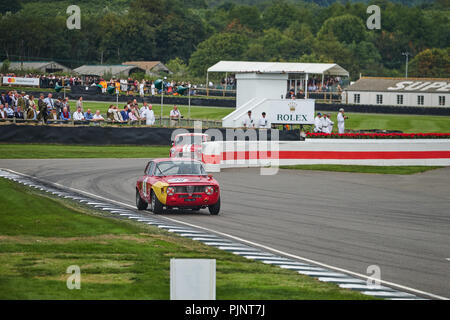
[{"x": 191, "y": 35}]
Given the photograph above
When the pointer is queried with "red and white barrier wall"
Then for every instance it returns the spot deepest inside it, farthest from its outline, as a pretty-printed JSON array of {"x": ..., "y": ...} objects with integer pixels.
[{"x": 377, "y": 152}]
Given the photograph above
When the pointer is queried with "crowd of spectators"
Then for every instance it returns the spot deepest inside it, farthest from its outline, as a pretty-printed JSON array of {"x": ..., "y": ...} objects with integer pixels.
[
  {"x": 49, "y": 81},
  {"x": 130, "y": 86},
  {"x": 144, "y": 87},
  {"x": 315, "y": 87},
  {"x": 330, "y": 84},
  {"x": 21, "y": 106}
]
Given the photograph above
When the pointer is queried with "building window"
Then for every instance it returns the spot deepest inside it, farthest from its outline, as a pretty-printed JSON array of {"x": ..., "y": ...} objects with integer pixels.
[
  {"x": 399, "y": 99},
  {"x": 442, "y": 100},
  {"x": 379, "y": 99},
  {"x": 357, "y": 98},
  {"x": 420, "y": 100}
]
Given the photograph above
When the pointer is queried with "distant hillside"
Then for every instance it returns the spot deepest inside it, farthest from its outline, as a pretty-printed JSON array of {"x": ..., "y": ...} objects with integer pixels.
[
  {"x": 213, "y": 3},
  {"x": 59, "y": 7}
]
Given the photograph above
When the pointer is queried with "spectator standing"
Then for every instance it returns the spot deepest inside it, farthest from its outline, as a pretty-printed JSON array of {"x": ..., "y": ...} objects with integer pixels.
[
  {"x": 58, "y": 106},
  {"x": 3, "y": 100},
  {"x": 153, "y": 89},
  {"x": 341, "y": 117},
  {"x": 330, "y": 123},
  {"x": 141, "y": 88},
  {"x": 78, "y": 115},
  {"x": 318, "y": 123},
  {"x": 324, "y": 125},
  {"x": 175, "y": 116},
  {"x": 248, "y": 121},
  {"x": 49, "y": 102},
  {"x": 9, "y": 98},
  {"x": 43, "y": 111},
  {"x": 104, "y": 85},
  {"x": 117, "y": 85},
  {"x": 143, "y": 108},
  {"x": 130, "y": 85},
  {"x": 21, "y": 101},
  {"x": 13, "y": 103},
  {"x": 31, "y": 110},
  {"x": 149, "y": 116},
  {"x": 263, "y": 122},
  {"x": 80, "y": 103}
]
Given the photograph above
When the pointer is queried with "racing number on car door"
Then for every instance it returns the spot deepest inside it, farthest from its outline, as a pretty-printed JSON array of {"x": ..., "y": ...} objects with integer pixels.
[{"x": 144, "y": 187}]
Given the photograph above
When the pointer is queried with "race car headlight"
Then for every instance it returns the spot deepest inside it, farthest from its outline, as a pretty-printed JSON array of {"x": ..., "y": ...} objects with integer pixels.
[
  {"x": 170, "y": 191},
  {"x": 209, "y": 190}
]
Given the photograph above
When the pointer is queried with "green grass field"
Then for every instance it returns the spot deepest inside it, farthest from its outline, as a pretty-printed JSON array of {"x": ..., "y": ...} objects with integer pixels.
[
  {"x": 362, "y": 169},
  {"x": 43, "y": 151},
  {"x": 356, "y": 121},
  {"x": 203, "y": 113},
  {"x": 42, "y": 236},
  {"x": 405, "y": 123}
]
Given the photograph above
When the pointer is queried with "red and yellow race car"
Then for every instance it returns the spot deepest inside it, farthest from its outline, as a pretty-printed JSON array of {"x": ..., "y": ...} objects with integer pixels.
[{"x": 177, "y": 183}]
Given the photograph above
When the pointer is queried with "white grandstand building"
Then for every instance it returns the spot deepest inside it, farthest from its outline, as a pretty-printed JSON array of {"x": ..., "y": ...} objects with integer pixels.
[{"x": 408, "y": 92}]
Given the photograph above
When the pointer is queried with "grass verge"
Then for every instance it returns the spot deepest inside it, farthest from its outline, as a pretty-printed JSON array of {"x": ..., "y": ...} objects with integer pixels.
[
  {"x": 40, "y": 237},
  {"x": 363, "y": 169},
  {"x": 44, "y": 151},
  {"x": 204, "y": 113}
]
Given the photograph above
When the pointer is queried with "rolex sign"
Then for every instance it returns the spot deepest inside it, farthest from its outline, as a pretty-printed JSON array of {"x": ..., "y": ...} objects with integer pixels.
[{"x": 288, "y": 111}]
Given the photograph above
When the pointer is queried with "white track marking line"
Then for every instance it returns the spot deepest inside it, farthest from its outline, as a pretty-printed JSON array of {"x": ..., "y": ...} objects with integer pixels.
[{"x": 359, "y": 275}]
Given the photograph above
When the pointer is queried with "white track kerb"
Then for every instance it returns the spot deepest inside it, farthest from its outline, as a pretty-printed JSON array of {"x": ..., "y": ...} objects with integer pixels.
[{"x": 249, "y": 249}]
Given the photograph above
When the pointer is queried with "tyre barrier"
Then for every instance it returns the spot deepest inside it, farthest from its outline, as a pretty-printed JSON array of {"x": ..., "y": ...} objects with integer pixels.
[{"x": 109, "y": 135}]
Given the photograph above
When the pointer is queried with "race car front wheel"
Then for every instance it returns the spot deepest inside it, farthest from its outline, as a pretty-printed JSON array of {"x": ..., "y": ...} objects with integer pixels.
[
  {"x": 157, "y": 206},
  {"x": 215, "y": 208},
  {"x": 140, "y": 204}
]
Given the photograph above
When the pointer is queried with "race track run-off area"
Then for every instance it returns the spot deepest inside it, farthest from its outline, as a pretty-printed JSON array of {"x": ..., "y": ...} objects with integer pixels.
[{"x": 345, "y": 220}]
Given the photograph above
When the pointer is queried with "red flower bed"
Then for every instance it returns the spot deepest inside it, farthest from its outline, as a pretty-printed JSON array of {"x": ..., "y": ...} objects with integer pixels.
[{"x": 378, "y": 135}]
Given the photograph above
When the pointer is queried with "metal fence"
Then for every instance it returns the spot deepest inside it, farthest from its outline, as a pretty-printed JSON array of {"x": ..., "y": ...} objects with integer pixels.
[{"x": 164, "y": 122}]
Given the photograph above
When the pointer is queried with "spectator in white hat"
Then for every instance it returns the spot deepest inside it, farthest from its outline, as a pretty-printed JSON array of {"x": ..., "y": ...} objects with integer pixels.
[{"x": 341, "y": 117}]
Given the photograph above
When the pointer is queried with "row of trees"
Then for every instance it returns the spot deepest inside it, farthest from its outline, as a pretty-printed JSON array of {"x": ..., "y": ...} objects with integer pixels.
[{"x": 190, "y": 37}]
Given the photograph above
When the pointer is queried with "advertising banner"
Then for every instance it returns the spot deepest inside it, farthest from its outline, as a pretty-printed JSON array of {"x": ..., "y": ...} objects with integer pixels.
[
  {"x": 299, "y": 111},
  {"x": 21, "y": 81}
]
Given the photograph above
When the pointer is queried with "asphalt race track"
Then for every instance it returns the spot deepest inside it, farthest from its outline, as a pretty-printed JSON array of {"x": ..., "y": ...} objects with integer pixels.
[{"x": 346, "y": 220}]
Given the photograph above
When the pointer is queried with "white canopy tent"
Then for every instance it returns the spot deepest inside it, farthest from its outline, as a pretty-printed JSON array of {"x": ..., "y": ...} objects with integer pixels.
[
  {"x": 294, "y": 70},
  {"x": 279, "y": 67}
]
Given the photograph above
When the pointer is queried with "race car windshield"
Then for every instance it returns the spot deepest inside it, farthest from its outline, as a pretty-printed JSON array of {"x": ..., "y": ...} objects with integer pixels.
[
  {"x": 179, "y": 168},
  {"x": 184, "y": 140}
]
